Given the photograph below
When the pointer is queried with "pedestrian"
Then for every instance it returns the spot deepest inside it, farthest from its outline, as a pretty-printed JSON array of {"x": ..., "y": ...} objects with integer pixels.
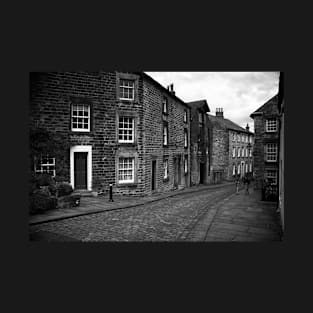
[
  {"x": 247, "y": 183},
  {"x": 237, "y": 185}
]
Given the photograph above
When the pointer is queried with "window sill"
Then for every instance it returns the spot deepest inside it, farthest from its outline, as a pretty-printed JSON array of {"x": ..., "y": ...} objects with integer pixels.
[
  {"x": 126, "y": 185},
  {"x": 75, "y": 132},
  {"x": 126, "y": 144}
]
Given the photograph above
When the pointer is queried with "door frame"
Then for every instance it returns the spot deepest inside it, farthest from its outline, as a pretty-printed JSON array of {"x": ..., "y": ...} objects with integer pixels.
[
  {"x": 153, "y": 177},
  {"x": 88, "y": 149}
]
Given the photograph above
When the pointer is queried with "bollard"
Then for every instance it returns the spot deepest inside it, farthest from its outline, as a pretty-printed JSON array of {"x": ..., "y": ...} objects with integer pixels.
[{"x": 111, "y": 193}]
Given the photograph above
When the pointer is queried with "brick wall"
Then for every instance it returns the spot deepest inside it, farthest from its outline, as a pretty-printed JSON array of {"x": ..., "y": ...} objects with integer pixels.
[
  {"x": 153, "y": 137},
  {"x": 51, "y": 96},
  {"x": 269, "y": 110}
]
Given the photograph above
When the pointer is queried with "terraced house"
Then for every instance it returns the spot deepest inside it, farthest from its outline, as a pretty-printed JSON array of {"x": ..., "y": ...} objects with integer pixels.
[
  {"x": 266, "y": 156},
  {"x": 123, "y": 129},
  {"x": 232, "y": 148}
]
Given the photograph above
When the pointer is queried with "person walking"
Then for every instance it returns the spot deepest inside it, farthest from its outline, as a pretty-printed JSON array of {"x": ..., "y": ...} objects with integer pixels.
[
  {"x": 237, "y": 185},
  {"x": 247, "y": 184}
]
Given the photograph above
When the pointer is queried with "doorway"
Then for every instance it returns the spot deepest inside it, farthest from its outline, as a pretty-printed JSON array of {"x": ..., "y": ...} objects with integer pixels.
[
  {"x": 80, "y": 170},
  {"x": 153, "y": 175},
  {"x": 202, "y": 172}
]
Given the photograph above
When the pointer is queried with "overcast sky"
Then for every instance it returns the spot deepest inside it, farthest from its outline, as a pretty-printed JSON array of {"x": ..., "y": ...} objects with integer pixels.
[{"x": 238, "y": 93}]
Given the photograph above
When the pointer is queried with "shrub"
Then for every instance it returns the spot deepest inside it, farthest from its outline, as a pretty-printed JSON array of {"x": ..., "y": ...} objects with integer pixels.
[
  {"x": 64, "y": 189},
  {"x": 40, "y": 202},
  {"x": 44, "y": 180}
]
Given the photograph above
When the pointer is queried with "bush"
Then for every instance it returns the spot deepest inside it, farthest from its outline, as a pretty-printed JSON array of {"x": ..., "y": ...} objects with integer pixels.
[
  {"x": 64, "y": 189},
  {"x": 44, "y": 180},
  {"x": 40, "y": 202}
]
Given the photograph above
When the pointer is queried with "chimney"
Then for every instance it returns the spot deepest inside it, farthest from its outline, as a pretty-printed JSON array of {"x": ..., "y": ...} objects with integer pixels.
[
  {"x": 219, "y": 112},
  {"x": 247, "y": 127},
  {"x": 171, "y": 89}
]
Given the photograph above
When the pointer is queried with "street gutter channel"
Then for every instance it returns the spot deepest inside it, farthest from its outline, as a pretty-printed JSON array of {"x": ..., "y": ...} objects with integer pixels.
[{"x": 203, "y": 211}]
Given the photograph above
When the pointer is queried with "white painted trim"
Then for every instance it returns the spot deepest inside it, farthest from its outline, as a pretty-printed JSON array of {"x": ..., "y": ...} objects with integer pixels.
[{"x": 88, "y": 149}]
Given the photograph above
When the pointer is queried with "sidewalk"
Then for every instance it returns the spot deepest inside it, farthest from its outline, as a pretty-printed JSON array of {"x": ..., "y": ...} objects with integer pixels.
[
  {"x": 242, "y": 217},
  {"x": 91, "y": 205}
]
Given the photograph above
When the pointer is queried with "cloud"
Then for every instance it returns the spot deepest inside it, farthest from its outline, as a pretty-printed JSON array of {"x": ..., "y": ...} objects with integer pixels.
[{"x": 238, "y": 93}]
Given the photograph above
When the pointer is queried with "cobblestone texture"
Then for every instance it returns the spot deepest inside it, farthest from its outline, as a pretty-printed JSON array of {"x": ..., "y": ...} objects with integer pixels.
[{"x": 170, "y": 219}]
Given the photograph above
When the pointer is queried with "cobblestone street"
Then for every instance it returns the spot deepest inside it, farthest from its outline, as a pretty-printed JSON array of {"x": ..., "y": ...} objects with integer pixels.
[
  {"x": 163, "y": 220},
  {"x": 185, "y": 217}
]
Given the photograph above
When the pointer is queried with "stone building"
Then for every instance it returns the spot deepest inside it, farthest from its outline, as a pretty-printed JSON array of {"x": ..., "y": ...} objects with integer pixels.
[
  {"x": 231, "y": 148},
  {"x": 122, "y": 128},
  {"x": 266, "y": 128},
  {"x": 199, "y": 142},
  {"x": 281, "y": 171}
]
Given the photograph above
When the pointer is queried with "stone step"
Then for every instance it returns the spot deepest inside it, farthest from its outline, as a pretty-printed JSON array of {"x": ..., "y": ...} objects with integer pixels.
[{"x": 82, "y": 193}]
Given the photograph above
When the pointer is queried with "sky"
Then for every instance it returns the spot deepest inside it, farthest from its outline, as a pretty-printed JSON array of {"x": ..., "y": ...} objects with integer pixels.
[{"x": 238, "y": 93}]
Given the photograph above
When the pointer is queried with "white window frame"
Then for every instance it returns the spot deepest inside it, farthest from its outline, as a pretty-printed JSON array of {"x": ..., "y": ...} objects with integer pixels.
[
  {"x": 200, "y": 118},
  {"x": 127, "y": 168},
  {"x": 271, "y": 176},
  {"x": 234, "y": 169},
  {"x": 246, "y": 152},
  {"x": 238, "y": 152},
  {"x": 186, "y": 165},
  {"x": 185, "y": 138},
  {"x": 166, "y": 171},
  {"x": 250, "y": 152},
  {"x": 271, "y": 125},
  {"x": 185, "y": 116},
  {"x": 165, "y": 134},
  {"x": 123, "y": 87},
  {"x": 238, "y": 169},
  {"x": 250, "y": 165},
  {"x": 77, "y": 105},
  {"x": 242, "y": 152},
  {"x": 271, "y": 152},
  {"x": 41, "y": 168},
  {"x": 165, "y": 106},
  {"x": 247, "y": 168},
  {"x": 234, "y": 152},
  {"x": 121, "y": 120}
]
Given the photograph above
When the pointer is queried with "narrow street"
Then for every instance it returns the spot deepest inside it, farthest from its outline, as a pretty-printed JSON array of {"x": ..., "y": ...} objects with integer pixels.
[{"x": 204, "y": 215}]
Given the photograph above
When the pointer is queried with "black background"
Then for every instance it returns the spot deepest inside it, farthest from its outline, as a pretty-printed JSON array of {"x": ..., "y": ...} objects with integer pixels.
[{"x": 154, "y": 37}]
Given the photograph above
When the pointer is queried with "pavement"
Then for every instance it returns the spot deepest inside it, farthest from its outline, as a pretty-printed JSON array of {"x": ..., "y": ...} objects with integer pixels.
[
  {"x": 91, "y": 205},
  {"x": 201, "y": 213},
  {"x": 238, "y": 217}
]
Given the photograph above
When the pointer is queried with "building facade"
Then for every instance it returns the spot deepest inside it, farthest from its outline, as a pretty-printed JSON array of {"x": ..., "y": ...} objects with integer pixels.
[
  {"x": 281, "y": 171},
  {"x": 266, "y": 146},
  {"x": 123, "y": 129},
  {"x": 232, "y": 148},
  {"x": 199, "y": 142}
]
